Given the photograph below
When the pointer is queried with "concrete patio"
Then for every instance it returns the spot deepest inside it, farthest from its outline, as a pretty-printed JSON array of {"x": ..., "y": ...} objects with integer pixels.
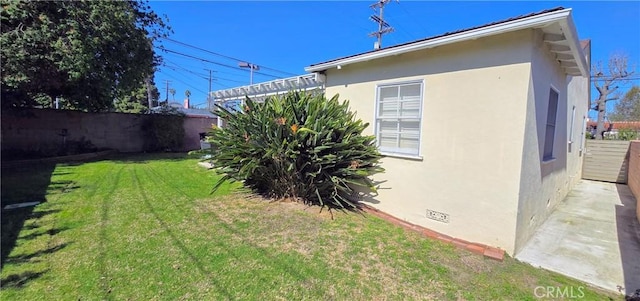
[{"x": 593, "y": 235}]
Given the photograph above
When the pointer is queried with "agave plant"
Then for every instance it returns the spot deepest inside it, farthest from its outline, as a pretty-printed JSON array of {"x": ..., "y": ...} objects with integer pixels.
[{"x": 299, "y": 145}]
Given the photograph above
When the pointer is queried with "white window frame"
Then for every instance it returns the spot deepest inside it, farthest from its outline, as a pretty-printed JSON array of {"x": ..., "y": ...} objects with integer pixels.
[
  {"x": 377, "y": 118},
  {"x": 551, "y": 156}
]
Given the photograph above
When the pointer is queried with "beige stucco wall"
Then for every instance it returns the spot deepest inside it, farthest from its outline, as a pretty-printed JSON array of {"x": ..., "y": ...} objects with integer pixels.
[
  {"x": 545, "y": 183},
  {"x": 473, "y": 118}
]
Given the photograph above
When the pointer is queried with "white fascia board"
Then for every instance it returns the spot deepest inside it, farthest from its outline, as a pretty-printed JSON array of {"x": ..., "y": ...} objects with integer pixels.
[
  {"x": 530, "y": 22},
  {"x": 570, "y": 33}
]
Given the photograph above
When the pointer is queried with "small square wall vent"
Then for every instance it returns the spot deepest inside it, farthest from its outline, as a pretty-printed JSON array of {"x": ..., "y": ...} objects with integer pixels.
[{"x": 437, "y": 216}]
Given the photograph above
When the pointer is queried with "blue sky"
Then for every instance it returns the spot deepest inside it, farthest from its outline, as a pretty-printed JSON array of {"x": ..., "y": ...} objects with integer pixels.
[{"x": 284, "y": 37}]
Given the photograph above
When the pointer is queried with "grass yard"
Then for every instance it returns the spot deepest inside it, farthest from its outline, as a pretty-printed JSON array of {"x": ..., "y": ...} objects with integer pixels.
[{"x": 146, "y": 228}]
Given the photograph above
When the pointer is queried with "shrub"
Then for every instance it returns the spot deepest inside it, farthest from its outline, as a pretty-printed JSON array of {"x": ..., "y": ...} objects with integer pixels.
[
  {"x": 627, "y": 134},
  {"x": 74, "y": 147},
  {"x": 163, "y": 131},
  {"x": 299, "y": 145}
]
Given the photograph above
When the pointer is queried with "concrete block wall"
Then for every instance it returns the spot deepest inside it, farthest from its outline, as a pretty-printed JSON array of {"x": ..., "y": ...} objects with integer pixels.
[
  {"x": 193, "y": 126},
  {"x": 633, "y": 179},
  {"x": 35, "y": 130}
]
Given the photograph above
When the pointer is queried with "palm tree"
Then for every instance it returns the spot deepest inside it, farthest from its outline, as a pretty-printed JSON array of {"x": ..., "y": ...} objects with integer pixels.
[
  {"x": 187, "y": 101},
  {"x": 173, "y": 93}
]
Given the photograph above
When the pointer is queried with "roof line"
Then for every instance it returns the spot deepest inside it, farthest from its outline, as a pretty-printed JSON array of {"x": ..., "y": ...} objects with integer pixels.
[{"x": 532, "y": 20}]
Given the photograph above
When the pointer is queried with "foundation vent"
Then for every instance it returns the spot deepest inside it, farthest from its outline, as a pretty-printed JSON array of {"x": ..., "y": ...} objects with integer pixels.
[{"x": 437, "y": 216}]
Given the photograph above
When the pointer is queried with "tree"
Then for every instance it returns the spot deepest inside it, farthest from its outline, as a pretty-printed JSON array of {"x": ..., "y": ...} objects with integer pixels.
[
  {"x": 173, "y": 94},
  {"x": 136, "y": 101},
  {"x": 147, "y": 84},
  {"x": 87, "y": 52},
  {"x": 606, "y": 85},
  {"x": 628, "y": 108},
  {"x": 187, "y": 94}
]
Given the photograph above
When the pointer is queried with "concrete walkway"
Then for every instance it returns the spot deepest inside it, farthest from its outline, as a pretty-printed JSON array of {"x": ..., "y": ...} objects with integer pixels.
[{"x": 593, "y": 235}]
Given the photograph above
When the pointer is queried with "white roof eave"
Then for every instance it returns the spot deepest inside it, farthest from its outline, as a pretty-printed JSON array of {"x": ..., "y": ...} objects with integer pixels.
[
  {"x": 570, "y": 33},
  {"x": 562, "y": 16}
]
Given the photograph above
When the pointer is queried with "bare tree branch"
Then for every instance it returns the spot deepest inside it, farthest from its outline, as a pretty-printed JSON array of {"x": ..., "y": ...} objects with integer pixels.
[{"x": 617, "y": 69}]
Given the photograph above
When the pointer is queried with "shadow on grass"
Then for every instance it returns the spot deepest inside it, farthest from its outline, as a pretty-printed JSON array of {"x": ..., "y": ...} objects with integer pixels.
[
  {"x": 50, "y": 232},
  {"x": 62, "y": 186},
  {"x": 102, "y": 256},
  {"x": 19, "y": 280},
  {"x": 278, "y": 262},
  {"x": 148, "y": 157},
  {"x": 30, "y": 256},
  {"x": 31, "y": 183},
  {"x": 20, "y": 185},
  {"x": 178, "y": 243}
]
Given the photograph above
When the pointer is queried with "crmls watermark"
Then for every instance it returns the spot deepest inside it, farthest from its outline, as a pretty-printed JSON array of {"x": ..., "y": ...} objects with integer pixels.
[{"x": 558, "y": 292}]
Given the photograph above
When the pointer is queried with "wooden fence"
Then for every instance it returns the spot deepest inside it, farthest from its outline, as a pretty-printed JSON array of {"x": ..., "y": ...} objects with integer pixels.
[{"x": 606, "y": 160}]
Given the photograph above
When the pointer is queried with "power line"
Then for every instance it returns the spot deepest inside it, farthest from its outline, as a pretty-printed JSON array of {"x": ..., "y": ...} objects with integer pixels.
[
  {"x": 186, "y": 70},
  {"x": 232, "y": 74},
  {"x": 610, "y": 75},
  {"x": 217, "y": 78},
  {"x": 426, "y": 32},
  {"x": 187, "y": 66},
  {"x": 205, "y": 66},
  {"x": 206, "y": 76},
  {"x": 226, "y": 86},
  {"x": 169, "y": 75},
  {"x": 180, "y": 66},
  {"x": 224, "y": 56},
  {"x": 348, "y": 18},
  {"x": 213, "y": 62},
  {"x": 198, "y": 58},
  {"x": 231, "y": 80},
  {"x": 617, "y": 79},
  {"x": 404, "y": 32}
]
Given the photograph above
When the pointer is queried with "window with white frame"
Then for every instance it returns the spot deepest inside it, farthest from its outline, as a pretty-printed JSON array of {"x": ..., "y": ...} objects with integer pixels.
[
  {"x": 398, "y": 116},
  {"x": 550, "y": 131}
]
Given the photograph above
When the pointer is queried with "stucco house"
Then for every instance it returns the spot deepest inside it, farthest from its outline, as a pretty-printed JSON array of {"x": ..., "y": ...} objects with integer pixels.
[{"x": 514, "y": 98}]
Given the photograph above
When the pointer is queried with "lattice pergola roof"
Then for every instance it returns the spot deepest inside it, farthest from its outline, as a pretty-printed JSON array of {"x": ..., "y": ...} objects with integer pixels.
[{"x": 262, "y": 90}]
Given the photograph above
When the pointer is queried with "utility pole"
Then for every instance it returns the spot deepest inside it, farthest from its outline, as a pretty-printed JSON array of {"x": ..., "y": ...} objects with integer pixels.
[
  {"x": 166, "y": 81},
  {"x": 383, "y": 26},
  {"x": 251, "y": 68},
  {"x": 210, "y": 81}
]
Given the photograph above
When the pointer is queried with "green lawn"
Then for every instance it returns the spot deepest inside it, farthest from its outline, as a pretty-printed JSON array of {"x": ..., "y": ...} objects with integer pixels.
[{"x": 146, "y": 228}]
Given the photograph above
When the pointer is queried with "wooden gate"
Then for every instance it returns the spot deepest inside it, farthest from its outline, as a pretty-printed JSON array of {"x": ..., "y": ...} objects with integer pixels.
[{"x": 606, "y": 160}]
